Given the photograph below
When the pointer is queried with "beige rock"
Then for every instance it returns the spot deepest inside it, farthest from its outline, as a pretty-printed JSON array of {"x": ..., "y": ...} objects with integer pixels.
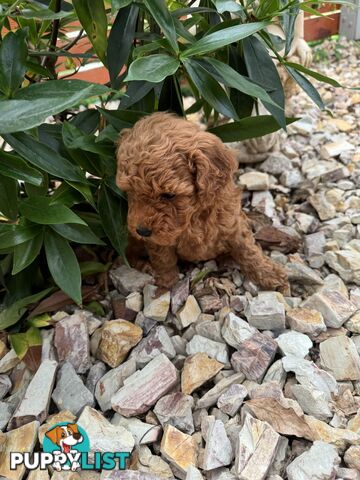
[
  {"x": 353, "y": 324},
  {"x": 39, "y": 475},
  {"x": 189, "y": 313},
  {"x": 339, "y": 356},
  {"x": 118, "y": 337},
  {"x": 63, "y": 416},
  {"x": 156, "y": 308},
  {"x": 339, "y": 437},
  {"x": 179, "y": 448},
  {"x": 335, "y": 148},
  {"x": 66, "y": 476},
  {"x": 306, "y": 320},
  {"x": 198, "y": 369},
  {"x": 346, "y": 263},
  {"x": 354, "y": 423},
  {"x": 23, "y": 440},
  {"x": 352, "y": 457},
  {"x": 144, "y": 461},
  {"x": 324, "y": 209},
  {"x": 334, "y": 307},
  {"x": 255, "y": 181},
  {"x": 9, "y": 361},
  {"x": 341, "y": 124},
  {"x": 3, "y": 349}
]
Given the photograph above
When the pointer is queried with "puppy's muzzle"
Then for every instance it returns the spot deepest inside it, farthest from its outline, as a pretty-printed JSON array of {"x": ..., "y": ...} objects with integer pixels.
[{"x": 143, "y": 232}]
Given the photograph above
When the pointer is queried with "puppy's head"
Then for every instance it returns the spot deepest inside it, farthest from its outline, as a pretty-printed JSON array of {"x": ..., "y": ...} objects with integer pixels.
[
  {"x": 65, "y": 436},
  {"x": 171, "y": 171}
]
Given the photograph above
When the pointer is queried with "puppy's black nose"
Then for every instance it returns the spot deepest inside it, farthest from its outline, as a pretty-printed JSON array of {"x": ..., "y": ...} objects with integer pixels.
[
  {"x": 144, "y": 232},
  {"x": 77, "y": 435}
]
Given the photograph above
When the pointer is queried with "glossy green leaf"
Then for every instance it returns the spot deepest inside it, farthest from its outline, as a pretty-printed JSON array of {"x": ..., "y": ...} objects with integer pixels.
[
  {"x": 22, "y": 342},
  {"x": 262, "y": 70},
  {"x": 227, "y": 6},
  {"x": 44, "y": 157},
  {"x": 116, "y": 4},
  {"x": 312, "y": 73},
  {"x": 77, "y": 233},
  {"x": 121, "y": 118},
  {"x": 308, "y": 87},
  {"x": 63, "y": 265},
  {"x": 13, "y": 54},
  {"x": 223, "y": 73},
  {"x": 210, "y": 89},
  {"x": 288, "y": 19},
  {"x": 41, "y": 14},
  {"x": 15, "y": 167},
  {"x": 74, "y": 138},
  {"x": 11, "y": 315},
  {"x": 154, "y": 68},
  {"x": 43, "y": 320},
  {"x": 121, "y": 40},
  {"x": 40, "y": 210},
  {"x": 93, "y": 268},
  {"x": 8, "y": 197},
  {"x": 250, "y": 127},
  {"x": 113, "y": 211},
  {"x": 85, "y": 191},
  {"x": 32, "y": 105},
  {"x": 162, "y": 16},
  {"x": 92, "y": 16},
  {"x": 223, "y": 37},
  {"x": 14, "y": 235},
  {"x": 25, "y": 253}
]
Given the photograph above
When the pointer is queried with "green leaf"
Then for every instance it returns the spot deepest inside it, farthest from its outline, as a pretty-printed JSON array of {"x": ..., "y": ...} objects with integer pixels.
[
  {"x": 122, "y": 118},
  {"x": 31, "y": 106},
  {"x": 8, "y": 197},
  {"x": 113, "y": 211},
  {"x": 162, "y": 16},
  {"x": 74, "y": 138},
  {"x": 227, "y": 6},
  {"x": 117, "y": 4},
  {"x": 311, "y": 73},
  {"x": 40, "y": 210},
  {"x": 250, "y": 127},
  {"x": 77, "y": 233},
  {"x": 44, "y": 157},
  {"x": 21, "y": 342},
  {"x": 153, "y": 68},
  {"x": 306, "y": 86},
  {"x": 223, "y": 73},
  {"x": 85, "y": 191},
  {"x": 210, "y": 89},
  {"x": 16, "y": 234},
  {"x": 13, "y": 53},
  {"x": 25, "y": 253},
  {"x": 262, "y": 70},
  {"x": 92, "y": 16},
  {"x": 39, "y": 321},
  {"x": 43, "y": 14},
  {"x": 15, "y": 167},
  {"x": 12, "y": 314},
  {"x": 223, "y": 37},
  {"x": 63, "y": 265},
  {"x": 287, "y": 20},
  {"x": 93, "y": 268},
  {"x": 120, "y": 40}
]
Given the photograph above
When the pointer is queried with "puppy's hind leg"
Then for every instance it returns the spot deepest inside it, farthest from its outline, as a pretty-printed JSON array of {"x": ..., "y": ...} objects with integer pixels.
[{"x": 256, "y": 266}]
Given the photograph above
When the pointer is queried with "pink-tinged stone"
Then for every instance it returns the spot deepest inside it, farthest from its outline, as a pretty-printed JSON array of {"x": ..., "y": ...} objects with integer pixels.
[
  {"x": 178, "y": 448},
  {"x": 254, "y": 356},
  {"x": 72, "y": 341},
  {"x": 144, "y": 388},
  {"x": 179, "y": 294}
]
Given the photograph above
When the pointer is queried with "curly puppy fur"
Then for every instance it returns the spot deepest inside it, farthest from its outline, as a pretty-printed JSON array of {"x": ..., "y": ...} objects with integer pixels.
[{"x": 180, "y": 188}]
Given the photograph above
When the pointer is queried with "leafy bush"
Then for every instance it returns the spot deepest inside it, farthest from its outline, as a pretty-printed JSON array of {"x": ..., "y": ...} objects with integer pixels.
[{"x": 57, "y": 187}]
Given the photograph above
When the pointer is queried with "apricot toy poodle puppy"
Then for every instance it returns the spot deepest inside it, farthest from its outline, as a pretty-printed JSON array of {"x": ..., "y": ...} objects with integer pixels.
[{"x": 183, "y": 202}]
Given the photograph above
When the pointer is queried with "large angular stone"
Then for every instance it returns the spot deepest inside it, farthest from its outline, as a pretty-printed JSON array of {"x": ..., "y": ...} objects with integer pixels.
[
  {"x": 70, "y": 392},
  {"x": 266, "y": 312},
  {"x": 218, "y": 449},
  {"x": 256, "y": 449},
  {"x": 231, "y": 400},
  {"x": 346, "y": 263},
  {"x": 294, "y": 343},
  {"x": 352, "y": 457},
  {"x": 334, "y": 307},
  {"x": 9, "y": 361},
  {"x": 127, "y": 280},
  {"x": 96, "y": 372},
  {"x": 198, "y": 369},
  {"x": 118, "y": 337},
  {"x": 178, "y": 448},
  {"x": 35, "y": 404},
  {"x": 318, "y": 463},
  {"x": 104, "y": 436},
  {"x": 254, "y": 356},
  {"x": 72, "y": 341},
  {"x": 6, "y": 410},
  {"x": 144, "y": 388},
  {"x": 305, "y": 320},
  {"x": 179, "y": 294},
  {"x": 302, "y": 274},
  {"x": 313, "y": 402},
  {"x": 193, "y": 474},
  {"x": 189, "y": 313},
  {"x": 144, "y": 461},
  {"x": 20, "y": 440},
  {"x": 156, "y": 307},
  {"x": 339, "y": 356},
  {"x": 216, "y": 350},
  {"x": 324, "y": 209},
  {"x": 255, "y": 181},
  {"x": 112, "y": 381},
  {"x": 235, "y": 330},
  {"x": 5, "y": 385},
  {"x": 314, "y": 249},
  {"x": 211, "y": 396},
  {"x": 176, "y": 409},
  {"x": 156, "y": 342},
  {"x": 142, "y": 432}
]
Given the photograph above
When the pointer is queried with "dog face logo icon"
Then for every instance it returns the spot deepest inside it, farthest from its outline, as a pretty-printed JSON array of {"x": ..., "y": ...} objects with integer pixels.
[{"x": 67, "y": 442}]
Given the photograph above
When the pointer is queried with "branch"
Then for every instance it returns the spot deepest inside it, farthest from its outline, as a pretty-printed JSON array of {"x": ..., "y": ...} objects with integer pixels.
[{"x": 74, "y": 42}]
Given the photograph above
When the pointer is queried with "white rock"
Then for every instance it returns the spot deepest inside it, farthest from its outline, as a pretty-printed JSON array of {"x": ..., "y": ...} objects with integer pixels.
[
  {"x": 294, "y": 343},
  {"x": 235, "y": 330},
  {"x": 142, "y": 432},
  {"x": 231, "y": 400},
  {"x": 346, "y": 263},
  {"x": 339, "y": 356},
  {"x": 218, "y": 450},
  {"x": 313, "y": 402},
  {"x": 156, "y": 308},
  {"x": 266, "y": 312},
  {"x": 189, "y": 313},
  {"x": 216, "y": 350},
  {"x": 254, "y": 181},
  {"x": 128, "y": 280},
  {"x": 318, "y": 463}
]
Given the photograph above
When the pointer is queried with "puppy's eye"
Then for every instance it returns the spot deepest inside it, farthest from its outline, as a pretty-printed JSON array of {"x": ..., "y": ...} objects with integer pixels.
[{"x": 167, "y": 196}]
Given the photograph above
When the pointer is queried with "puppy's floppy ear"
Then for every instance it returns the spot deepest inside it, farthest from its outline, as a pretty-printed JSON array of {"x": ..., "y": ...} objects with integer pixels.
[
  {"x": 121, "y": 157},
  {"x": 213, "y": 166},
  {"x": 53, "y": 435}
]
